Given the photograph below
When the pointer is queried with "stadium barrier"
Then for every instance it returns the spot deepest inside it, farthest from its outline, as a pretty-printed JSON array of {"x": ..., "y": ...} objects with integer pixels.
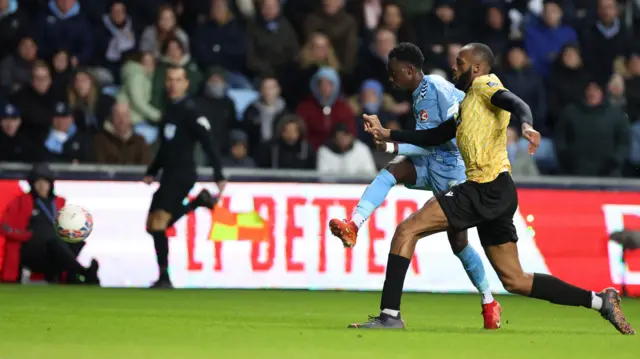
[{"x": 564, "y": 225}]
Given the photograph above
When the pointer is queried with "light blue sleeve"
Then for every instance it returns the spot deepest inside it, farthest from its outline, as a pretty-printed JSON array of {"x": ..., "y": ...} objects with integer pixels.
[{"x": 406, "y": 149}]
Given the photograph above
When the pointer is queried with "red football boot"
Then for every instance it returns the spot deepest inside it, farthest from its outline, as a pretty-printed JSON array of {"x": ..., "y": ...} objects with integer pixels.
[
  {"x": 346, "y": 231},
  {"x": 491, "y": 313}
]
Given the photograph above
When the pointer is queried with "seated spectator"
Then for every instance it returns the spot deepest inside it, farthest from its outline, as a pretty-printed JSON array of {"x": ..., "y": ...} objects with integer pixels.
[
  {"x": 273, "y": 44},
  {"x": 370, "y": 101},
  {"x": 545, "y": 37},
  {"x": 442, "y": 27},
  {"x": 522, "y": 164},
  {"x": 566, "y": 85},
  {"x": 137, "y": 80},
  {"x": 521, "y": 78},
  {"x": 31, "y": 240},
  {"x": 239, "y": 152},
  {"x": 89, "y": 105},
  {"x": 394, "y": 20},
  {"x": 289, "y": 149},
  {"x": 632, "y": 86},
  {"x": 261, "y": 117},
  {"x": 495, "y": 31},
  {"x": 116, "y": 37},
  {"x": 117, "y": 144},
  {"x": 64, "y": 142},
  {"x": 15, "y": 69},
  {"x": 221, "y": 41},
  {"x": 64, "y": 26},
  {"x": 14, "y": 146},
  {"x": 593, "y": 138},
  {"x": 155, "y": 35},
  {"x": 343, "y": 154},
  {"x": 341, "y": 29},
  {"x": 215, "y": 104},
  {"x": 62, "y": 73},
  {"x": 317, "y": 52},
  {"x": 367, "y": 14},
  {"x": 615, "y": 92},
  {"x": 174, "y": 54},
  {"x": 35, "y": 103},
  {"x": 324, "y": 108},
  {"x": 14, "y": 26}
]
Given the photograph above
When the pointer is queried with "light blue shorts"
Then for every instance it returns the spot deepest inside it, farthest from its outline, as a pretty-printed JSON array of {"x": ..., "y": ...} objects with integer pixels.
[{"x": 437, "y": 173}]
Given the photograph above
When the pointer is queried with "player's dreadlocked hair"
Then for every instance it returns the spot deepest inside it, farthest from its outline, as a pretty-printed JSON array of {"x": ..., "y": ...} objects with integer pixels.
[
  {"x": 483, "y": 53},
  {"x": 409, "y": 53}
]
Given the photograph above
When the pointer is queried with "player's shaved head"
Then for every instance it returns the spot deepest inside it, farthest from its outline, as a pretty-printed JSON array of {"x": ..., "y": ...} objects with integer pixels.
[{"x": 482, "y": 54}]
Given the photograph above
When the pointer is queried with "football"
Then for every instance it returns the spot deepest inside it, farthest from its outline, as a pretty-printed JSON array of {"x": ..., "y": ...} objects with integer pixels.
[{"x": 73, "y": 223}]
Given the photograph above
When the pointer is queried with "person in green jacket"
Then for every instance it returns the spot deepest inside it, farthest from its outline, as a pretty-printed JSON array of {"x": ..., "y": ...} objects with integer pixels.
[{"x": 174, "y": 54}]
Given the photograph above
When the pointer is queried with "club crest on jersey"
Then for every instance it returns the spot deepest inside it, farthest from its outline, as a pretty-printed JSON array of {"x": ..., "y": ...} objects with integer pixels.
[
  {"x": 169, "y": 131},
  {"x": 424, "y": 115}
]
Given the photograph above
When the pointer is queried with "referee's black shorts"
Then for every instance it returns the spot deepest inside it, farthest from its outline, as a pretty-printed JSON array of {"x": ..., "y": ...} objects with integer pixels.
[
  {"x": 488, "y": 206},
  {"x": 170, "y": 196}
]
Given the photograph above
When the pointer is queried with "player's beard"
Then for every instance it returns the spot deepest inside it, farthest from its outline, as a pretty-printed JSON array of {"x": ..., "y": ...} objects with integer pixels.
[{"x": 462, "y": 81}]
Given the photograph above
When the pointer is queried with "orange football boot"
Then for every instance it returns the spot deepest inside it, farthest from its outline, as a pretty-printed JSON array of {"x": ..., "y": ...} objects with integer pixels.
[
  {"x": 491, "y": 313},
  {"x": 346, "y": 231}
]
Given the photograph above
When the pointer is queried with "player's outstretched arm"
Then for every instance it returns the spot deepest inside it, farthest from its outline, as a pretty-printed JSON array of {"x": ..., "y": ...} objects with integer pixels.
[
  {"x": 404, "y": 149},
  {"x": 508, "y": 101},
  {"x": 425, "y": 138}
]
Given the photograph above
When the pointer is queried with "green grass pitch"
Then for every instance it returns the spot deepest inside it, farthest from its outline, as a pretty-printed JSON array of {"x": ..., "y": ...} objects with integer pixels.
[{"x": 94, "y": 323}]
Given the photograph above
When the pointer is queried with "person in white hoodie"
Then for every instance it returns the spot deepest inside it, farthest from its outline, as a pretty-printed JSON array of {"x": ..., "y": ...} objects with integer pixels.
[{"x": 344, "y": 154}]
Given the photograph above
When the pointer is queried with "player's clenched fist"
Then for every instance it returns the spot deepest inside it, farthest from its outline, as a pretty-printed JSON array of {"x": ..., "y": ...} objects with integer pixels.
[{"x": 373, "y": 126}]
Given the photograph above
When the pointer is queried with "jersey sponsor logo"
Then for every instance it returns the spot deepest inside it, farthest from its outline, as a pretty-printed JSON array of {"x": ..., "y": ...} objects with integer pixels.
[
  {"x": 492, "y": 84},
  {"x": 202, "y": 121},
  {"x": 169, "y": 131},
  {"x": 424, "y": 115}
]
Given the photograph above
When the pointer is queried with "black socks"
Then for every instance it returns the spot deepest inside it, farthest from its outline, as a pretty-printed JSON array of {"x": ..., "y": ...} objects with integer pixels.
[
  {"x": 161, "y": 243},
  {"x": 397, "y": 267},
  {"x": 554, "y": 290}
]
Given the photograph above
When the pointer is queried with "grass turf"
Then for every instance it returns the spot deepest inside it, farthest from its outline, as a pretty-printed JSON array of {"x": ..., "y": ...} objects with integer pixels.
[{"x": 95, "y": 323}]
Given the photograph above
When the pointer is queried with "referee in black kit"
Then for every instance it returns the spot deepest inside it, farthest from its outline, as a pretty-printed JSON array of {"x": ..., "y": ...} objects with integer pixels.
[{"x": 182, "y": 126}]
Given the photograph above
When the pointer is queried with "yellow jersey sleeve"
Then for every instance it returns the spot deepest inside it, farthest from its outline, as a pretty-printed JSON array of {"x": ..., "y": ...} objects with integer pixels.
[{"x": 487, "y": 85}]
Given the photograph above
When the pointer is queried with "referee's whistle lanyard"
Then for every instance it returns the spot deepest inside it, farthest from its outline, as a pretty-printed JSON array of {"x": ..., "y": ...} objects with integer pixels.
[{"x": 50, "y": 213}]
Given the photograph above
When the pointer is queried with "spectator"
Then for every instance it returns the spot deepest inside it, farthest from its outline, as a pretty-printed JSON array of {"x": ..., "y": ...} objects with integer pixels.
[
  {"x": 367, "y": 14},
  {"x": 394, "y": 20},
  {"x": 14, "y": 146},
  {"x": 217, "y": 106},
  {"x": 65, "y": 143},
  {"x": 27, "y": 224},
  {"x": 35, "y": 103},
  {"x": 116, "y": 37},
  {"x": 221, "y": 41},
  {"x": 633, "y": 109},
  {"x": 89, "y": 105},
  {"x": 64, "y": 26},
  {"x": 616, "y": 93},
  {"x": 239, "y": 152},
  {"x": 592, "y": 139},
  {"x": 345, "y": 155},
  {"x": 260, "y": 118},
  {"x": 137, "y": 75},
  {"x": 324, "y": 108},
  {"x": 117, "y": 144},
  {"x": 148, "y": 11},
  {"x": 273, "y": 43},
  {"x": 341, "y": 29},
  {"x": 567, "y": 82},
  {"x": 62, "y": 73},
  {"x": 15, "y": 69},
  {"x": 155, "y": 35},
  {"x": 289, "y": 149},
  {"x": 370, "y": 102},
  {"x": 14, "y": 26},
  {"x": 496, "y": 29},
  {"x": 317, "y": 52},
  {"x": 522, "y": 164},
  {"x": 544, "y": 38},
  {"x": 174, "y": 54},
  {"x": 442, "y": 28},
  {"x": 604, "y": 42},
  {"x": 520, "y": 78}
]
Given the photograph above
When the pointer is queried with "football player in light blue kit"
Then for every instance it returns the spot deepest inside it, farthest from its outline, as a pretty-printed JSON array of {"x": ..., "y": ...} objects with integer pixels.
[{"x": 435, "y": 100}]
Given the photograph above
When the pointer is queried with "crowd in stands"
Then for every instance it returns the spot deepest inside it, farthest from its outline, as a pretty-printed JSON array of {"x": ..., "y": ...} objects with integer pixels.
[{"x": 285, "y": 82}]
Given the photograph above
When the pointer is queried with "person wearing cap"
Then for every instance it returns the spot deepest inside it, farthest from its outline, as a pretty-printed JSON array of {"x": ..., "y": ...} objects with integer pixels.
[
  {"x": 64, "y": 143},
  {"x": 344, "y": 154},
  {"x": 239, "y": 151},
  {"x": 14, "y": 146}
]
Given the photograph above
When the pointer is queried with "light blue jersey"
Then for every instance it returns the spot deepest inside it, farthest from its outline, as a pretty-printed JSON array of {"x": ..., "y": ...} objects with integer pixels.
[{"x": 435, "y": 101}]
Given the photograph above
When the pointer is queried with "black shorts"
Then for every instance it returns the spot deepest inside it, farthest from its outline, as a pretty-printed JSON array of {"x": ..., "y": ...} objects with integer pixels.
[
  {"x": 170, "y": 196},
  {"x": 488, "y": 206}
]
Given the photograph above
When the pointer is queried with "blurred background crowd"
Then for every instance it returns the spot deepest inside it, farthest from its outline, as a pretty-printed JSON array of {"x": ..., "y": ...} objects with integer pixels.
[{"x": 285, "y": 82}]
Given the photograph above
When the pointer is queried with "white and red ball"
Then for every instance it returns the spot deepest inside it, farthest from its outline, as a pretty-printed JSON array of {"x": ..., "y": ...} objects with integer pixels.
[{"x": 73, "y": 223}]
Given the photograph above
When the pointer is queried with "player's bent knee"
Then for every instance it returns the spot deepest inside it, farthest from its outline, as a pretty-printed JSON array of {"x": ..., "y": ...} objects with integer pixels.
[{"x": 158, "y": 221}]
